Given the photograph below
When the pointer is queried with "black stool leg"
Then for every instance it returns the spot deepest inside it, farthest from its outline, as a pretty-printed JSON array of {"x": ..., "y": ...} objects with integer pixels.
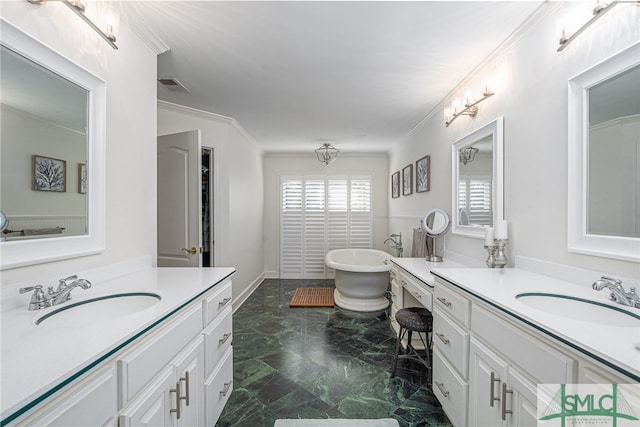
[{"x": 395, "y": 358}]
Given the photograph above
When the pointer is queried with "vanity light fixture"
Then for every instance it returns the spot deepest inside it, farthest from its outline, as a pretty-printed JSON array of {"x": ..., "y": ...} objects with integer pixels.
[
  {"x": 79, "y": 9},
  {"x": 468, "y": 154},
  {"x": 598, "y": 11},
  {"x": 327, "y": 153},
  {"x": 470, "y": 107}
]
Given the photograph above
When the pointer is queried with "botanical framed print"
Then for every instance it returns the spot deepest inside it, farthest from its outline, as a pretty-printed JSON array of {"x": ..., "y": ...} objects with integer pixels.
[
  {"x": 423, "y": 174},
  {"x": 49, "y": 174},
  {"x": 82, "y": 178},
  {"x": 395, "y": 185},
  {"x": 407, "y": 180}
]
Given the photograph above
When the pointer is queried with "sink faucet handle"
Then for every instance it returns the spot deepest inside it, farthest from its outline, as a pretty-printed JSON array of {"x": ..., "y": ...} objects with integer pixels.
[{"x": 36, "y": 288}]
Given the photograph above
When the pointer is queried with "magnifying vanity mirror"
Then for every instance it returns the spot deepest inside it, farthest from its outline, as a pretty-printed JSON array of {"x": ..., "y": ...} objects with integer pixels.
[
  {"x": 477, "y": 175},
  {"x": 604, "y": 158},
  {"x": 51, "y": 152},
  {"x": 435, "y": 224}
]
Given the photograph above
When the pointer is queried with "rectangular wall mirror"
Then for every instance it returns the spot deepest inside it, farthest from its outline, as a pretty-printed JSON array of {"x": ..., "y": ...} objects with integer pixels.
[
  {"x": 604, "y": 158},
  {"x": 51, "y": 152},
  {"x": 477, "y": 175}
]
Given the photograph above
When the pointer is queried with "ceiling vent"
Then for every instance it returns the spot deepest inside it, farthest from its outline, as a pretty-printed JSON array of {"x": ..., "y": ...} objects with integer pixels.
[{"x": 172, "y": 84}]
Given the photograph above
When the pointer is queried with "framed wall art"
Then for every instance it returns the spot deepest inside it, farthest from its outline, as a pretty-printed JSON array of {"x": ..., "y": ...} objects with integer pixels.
[
  {"x": 407, "y": 180},
  {"x": 395, "y": 185},
  {"x": 423, "y": 174},
  {"x": 49, "y": 174}
]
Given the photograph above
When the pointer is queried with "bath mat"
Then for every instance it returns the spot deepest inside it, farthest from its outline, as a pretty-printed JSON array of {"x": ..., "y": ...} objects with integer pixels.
[
  {"x": 312, "y": 297},
  {"x": 328, "y": 422}
]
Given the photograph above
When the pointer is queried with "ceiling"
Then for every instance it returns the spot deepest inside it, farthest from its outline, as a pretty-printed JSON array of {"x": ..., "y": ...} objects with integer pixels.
[{"x": 294, "y": 74}]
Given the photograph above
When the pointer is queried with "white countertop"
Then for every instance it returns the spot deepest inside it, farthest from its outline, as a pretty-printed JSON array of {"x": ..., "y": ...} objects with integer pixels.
[
  {"x": 421, "y": 268},
  {"x": 35, "y": 359},
  {"x": 617, "y": 346}
]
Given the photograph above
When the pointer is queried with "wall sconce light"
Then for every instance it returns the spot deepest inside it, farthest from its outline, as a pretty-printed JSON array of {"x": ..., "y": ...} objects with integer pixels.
[
  {"x": 470, "y": 107},
  {"x": 598, "y": 11},
  {"x": 79, "y": 9},
  {"x": 468, "y": 154},
  {"x": 327, "y": 153}
]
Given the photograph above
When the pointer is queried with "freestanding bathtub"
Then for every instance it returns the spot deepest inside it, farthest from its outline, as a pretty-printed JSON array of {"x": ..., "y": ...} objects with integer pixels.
[{"x": 362, "y": 278}]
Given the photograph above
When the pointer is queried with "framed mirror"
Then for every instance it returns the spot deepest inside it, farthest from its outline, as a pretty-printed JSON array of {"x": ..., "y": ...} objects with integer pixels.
[
  {"x": 604, "y": 158},
  {"x": 477, "y": 179},
  {"x": 52, "y": 150}
]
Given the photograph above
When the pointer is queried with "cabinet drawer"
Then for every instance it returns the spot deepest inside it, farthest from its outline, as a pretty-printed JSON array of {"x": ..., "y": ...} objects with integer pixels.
[
  {"x": 453, "y": 303},
  {"x": 452, "y": 341},
  {"x": 450, "y": 389},
  {"x": 420, "y": 292},
  {"x": 543, "y": 363},
  {"x": 396, "y": 293},
  {"x": 215, "y": 303},
  {"x": 136, "y": 368},
  {"x": 217, "y": 340},
  {"x": 91, "y": 401},
  {"x": 218, "y": 388}
]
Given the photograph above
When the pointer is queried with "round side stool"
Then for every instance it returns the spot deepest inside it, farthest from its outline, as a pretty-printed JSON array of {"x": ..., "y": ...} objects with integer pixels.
[{"x": 419, "y": 320}]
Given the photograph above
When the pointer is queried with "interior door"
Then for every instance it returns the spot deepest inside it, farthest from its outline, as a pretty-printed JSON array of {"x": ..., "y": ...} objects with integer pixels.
[{"x": 179, "y": 200}]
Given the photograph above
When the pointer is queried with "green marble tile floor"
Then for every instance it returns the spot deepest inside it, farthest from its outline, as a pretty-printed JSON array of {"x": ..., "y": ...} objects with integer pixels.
[{"x": 320, "y": 363}]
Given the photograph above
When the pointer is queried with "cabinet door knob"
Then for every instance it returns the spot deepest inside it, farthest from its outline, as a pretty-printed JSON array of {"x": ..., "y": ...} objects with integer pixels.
[
  {"x": 224, "y": 338},
  {"x": 505, "y": 411},
  {"x": 178, "y": 398},
  {"x": 492, "y": 389},
  {"x": 443, "y": 338},
  {"x": 443, "y": 390},
  {"x": 444, "y": 301},
  {"x": 227, "y": 386},
  {"x": 186, "y": 387}
]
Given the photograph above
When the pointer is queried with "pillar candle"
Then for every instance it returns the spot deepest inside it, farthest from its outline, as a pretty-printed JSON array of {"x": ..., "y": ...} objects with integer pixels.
[
  {"x": 501, "y": 229},
  {"x": 488, "y": 236}
]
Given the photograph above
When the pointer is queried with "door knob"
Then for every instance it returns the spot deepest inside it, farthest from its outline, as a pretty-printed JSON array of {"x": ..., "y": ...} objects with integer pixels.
[{"x": 191, "y": 251}]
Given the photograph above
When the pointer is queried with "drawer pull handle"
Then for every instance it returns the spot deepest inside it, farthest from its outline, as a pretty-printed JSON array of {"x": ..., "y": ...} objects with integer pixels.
[
  {"x": 186, "y": 387},
  {"x": 224, "y": 338},
  {"x": 442, "y": 338},
  {"x": 417, "y": 295},
  {"x": 504, "y": 402},
  {"x": 227, "y": 386},
  {"x": 444, "y": 301},
  {"x": 443, "y": 390},
  {"x": 178, "y": 398},
  {"x": 223, "y": 302},
  {"x": 492, "y": 390}
]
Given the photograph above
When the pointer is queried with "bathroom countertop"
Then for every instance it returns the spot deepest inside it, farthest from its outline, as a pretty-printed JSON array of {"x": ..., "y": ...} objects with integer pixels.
[
  {"x": 615, "y": 346},
  {"x": 37, "y": 359},
  {"x": 421, "y": 268}
]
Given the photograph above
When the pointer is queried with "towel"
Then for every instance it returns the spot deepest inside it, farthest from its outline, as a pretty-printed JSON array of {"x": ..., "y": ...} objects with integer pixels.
[
  {"x": 39, "y": 231},
  {"x": 419, "y": 244}
]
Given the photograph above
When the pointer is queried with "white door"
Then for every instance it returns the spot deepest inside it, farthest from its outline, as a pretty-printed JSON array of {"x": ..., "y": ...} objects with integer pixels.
[{"x": 179, "y": 200}]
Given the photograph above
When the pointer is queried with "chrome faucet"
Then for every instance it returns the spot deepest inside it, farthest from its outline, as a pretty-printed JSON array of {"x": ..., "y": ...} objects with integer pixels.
[
  {"x": 40, "y": 300},
  {"x": 396, "y": 244},
  {"x": 618, "y": 294}
]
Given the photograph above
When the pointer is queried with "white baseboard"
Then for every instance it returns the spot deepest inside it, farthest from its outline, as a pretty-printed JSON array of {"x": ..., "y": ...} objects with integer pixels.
[
  {"x": 237, "y": 303},
  {"x": 271, "y": 275}
]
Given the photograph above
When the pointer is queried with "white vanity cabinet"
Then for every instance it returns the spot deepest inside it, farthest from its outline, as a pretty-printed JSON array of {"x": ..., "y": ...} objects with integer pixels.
[
  {"x": 486, "y": 365},
  {"x": 179, "y": 373}
]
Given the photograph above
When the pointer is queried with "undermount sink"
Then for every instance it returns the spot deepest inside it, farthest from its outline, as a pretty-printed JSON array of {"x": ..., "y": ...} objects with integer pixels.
[
  {"x": 580, "y": 309},
  {"x": 98, "y": 309}
]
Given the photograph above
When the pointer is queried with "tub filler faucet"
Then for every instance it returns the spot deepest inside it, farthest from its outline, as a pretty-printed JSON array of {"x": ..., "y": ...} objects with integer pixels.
[
  {"x": 396, "y": 244},
  {"x": 618, "y": 294}
]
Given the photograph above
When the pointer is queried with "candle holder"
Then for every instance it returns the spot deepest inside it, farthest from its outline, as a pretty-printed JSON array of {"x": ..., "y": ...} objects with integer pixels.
[
  {"x": 491, "y": 259},
  {"x": 501, "y": 258}
]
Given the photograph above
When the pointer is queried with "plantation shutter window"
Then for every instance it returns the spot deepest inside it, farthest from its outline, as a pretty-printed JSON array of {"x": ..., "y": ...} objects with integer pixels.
[{"x": 319, "y": 215}]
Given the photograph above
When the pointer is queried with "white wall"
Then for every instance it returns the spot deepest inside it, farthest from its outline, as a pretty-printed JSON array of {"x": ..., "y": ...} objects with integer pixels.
[
  {"x": 279, "y": 164},
  {"x": 530, "y": 81},
  {"x": 238, "y": 196},
  {"x": 130, "y": 73}
]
